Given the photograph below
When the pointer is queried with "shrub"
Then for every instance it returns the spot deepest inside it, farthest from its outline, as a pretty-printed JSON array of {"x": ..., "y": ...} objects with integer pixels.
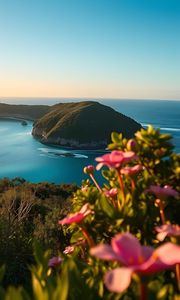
[{"x": 124, "y": 235}]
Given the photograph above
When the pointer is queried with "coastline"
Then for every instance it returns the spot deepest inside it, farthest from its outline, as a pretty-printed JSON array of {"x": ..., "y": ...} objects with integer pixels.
[
  {"x": 72, "y": 148},
  {"x": 68, "y": 148},
  {"x": 16, "y": 118}
]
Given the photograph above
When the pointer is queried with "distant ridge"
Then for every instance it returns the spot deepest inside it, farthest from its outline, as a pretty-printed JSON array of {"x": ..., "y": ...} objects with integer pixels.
[{"x": 21, "y": 111}]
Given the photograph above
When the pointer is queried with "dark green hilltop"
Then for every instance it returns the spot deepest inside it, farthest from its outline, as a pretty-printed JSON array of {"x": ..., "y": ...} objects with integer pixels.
[{"x": 82, "y": 125}]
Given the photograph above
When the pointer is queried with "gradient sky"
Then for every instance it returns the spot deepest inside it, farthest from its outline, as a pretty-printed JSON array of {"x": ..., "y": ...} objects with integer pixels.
[{"x": 90, "y": 48}]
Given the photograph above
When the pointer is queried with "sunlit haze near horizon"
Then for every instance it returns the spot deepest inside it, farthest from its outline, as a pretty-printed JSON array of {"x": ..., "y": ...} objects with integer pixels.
[{"x": 90, "y": 48}]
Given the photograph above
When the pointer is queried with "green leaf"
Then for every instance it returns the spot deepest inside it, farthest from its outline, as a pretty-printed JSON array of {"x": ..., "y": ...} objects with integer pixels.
[
  {"x": 2, "y": 272},
  {"x": 39, "y": 292},
  {"x": 13, "y": 294},
  {"x": 38, "y": 253},
  {"x": 165, "y": 136},
  {"x": 112, "y": 146},
  {"x": 61, "y": 292},
  {"x": 107, "y": 207},
  {"x": 76, "y": 235},
  {"x": 115, "y": 137}
]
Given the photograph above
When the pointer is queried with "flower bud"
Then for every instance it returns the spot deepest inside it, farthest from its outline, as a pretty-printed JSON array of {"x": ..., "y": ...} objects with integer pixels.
[
  {"x": 131, "y": 145},
  {"x": 54, "y": 261},
  {"x": 89, "y": 170},
  {"x": 68, "y": 250},
  {"x": 112, "y": 193}
]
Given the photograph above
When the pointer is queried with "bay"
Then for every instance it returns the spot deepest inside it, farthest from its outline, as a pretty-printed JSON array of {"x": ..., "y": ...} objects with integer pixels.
[{"x": 23, "y": 156}]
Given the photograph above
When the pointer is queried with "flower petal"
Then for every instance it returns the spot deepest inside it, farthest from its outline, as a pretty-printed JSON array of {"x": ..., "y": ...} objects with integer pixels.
[
  {"x": 103, "y": 158},
  {"x": 169, "y": 254},
  {"x": 77, "y": 216},
  {"x": 147, "y": 252},
  {"x": 118, "y": 279},
  {"x": 152, "y": 265},
  {"x": 114, "y": 159},
  {"x": 161, "y": 236},
  {"x": 162, "y": 191},
  {"x": 128, "y": 248},
  {"x": 99, "y": 166},
  {"x": 103, "y": 251},
  {"x": 74, "y": 218},
  {"x": 167, "y": 230},
  {"x": 131, "y": 170},
  {"x": 85, "y": 209}
]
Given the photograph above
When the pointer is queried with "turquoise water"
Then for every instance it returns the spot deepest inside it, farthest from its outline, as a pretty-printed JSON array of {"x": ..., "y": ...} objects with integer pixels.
[{"x": 23, "y": 156}]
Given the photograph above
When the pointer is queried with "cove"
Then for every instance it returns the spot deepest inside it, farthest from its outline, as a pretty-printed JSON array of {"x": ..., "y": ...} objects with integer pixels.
[{"x": 23, "y": 156}]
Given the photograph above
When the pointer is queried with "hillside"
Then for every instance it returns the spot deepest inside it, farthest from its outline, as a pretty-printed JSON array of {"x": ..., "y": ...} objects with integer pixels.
[
  {"x": 29, "y": 112},
  {"x": 82, "y": 125}
]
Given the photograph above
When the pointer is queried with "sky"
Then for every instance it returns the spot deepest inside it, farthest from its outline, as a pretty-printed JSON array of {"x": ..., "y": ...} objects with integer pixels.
[{"x": 90, "y": 48}]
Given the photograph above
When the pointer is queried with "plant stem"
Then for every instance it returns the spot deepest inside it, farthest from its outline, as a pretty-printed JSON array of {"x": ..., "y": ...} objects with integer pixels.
[
  {"x": 87, "y": 237},
  {"x": 113, "y": 202},
  {"x": 178, "y": 275},
  {"x": 132, "y": 184},
  {"x": 143, "y": 291},
  {"x": 95, "y": 182},
  {"x": 121, "y": 184},
  {"x": 161, "y": 210}
]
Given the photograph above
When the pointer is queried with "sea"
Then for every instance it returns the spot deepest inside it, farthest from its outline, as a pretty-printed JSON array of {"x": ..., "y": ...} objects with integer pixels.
[{"x": 23, "y": 156}]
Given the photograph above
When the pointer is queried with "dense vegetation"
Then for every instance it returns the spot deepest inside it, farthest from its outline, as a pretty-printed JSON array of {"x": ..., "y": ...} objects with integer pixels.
[
  {"x": 120, "y": 241},
  {"x": 84, "y": 124},
  {"x": 29, "y": 211}
]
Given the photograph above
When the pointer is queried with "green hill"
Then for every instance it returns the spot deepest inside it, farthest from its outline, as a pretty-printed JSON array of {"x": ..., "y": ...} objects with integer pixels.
[{"x": 81, "y": 125}]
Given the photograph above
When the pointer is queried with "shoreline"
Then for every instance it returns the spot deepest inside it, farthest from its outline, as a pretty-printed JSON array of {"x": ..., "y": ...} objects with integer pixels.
[
  {"x": 20, "y": 119},
  {"x": 70, "y": 148},
  {"x": 16, "y": 118}
]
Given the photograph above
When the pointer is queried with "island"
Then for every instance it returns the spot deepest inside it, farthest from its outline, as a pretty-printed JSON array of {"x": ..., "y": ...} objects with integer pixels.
[
  {"x": 76, "y": 125},
  {"x": 82, "y": 125}
]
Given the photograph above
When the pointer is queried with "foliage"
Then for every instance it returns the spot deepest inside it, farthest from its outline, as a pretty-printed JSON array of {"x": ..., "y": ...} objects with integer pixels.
[
  {"x": 30, "y": 211},
  {"x": 140, "y": 193}
]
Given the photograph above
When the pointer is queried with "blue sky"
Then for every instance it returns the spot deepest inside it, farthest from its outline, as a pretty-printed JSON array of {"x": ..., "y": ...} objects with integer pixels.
[{"x": 90, "y": 48}]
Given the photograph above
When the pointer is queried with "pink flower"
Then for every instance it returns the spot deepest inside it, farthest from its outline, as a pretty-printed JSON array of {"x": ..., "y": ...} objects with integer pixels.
[
  {"x": 55, "y": 261},
  {"x": 131, "y": 170},
  {"x": 68, "y": 250},
  {"x": 142, "y": 260},
  {"x": 114, "y": 159},
  {"x": 76, "y": 217},
  {"x": 167, "y": 230},
  {"x": 162, "y": 192},
  {"x": 112, "y": 193}
]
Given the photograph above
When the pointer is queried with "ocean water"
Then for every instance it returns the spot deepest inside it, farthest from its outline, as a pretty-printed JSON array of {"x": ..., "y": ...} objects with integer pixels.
[
  {"x": 161, "y": 114},
  {"x": 22, "y": 155}
]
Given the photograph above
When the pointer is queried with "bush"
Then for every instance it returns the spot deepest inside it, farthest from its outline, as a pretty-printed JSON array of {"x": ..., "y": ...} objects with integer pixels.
[
  {"x": 124, "y": 236},
  {"x": 29, "y": 211}
]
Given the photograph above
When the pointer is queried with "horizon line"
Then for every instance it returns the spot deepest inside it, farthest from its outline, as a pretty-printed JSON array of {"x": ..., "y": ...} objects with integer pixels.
[{"x": 76, "y": 98}]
